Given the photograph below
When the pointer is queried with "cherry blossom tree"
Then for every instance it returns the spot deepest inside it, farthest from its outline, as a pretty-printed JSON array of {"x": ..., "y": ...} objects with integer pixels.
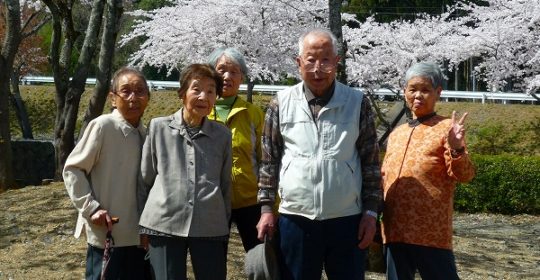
[
  {"x": 505, "y": 34},
  {"x": 502, "y": 35},
  {"x": 379, "y": 53},
  {"x": 265, "y": 32}
]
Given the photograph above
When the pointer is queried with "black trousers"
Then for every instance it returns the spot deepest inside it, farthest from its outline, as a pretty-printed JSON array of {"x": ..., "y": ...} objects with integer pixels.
[
  {"x": 246, "y": 220},
  {"x": 125, "y": 263},
  {"x": 432, "y": 263}
]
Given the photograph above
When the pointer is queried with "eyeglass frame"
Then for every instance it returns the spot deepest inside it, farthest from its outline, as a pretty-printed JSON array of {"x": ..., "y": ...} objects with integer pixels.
[
  {"x": 137, "y": 94},
  {"x": 311, "y": 67}
]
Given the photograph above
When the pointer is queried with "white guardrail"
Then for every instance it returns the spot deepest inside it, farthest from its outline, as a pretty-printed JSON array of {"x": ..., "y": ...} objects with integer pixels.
[{"x": 271, "y": 89}]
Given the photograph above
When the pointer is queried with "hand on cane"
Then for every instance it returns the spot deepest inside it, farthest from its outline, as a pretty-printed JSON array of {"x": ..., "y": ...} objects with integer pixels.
[{"x": 102, "y": 217}]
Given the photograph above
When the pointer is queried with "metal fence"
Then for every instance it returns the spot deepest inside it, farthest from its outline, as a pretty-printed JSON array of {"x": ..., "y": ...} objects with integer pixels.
[{"x": 446, "y": 95}]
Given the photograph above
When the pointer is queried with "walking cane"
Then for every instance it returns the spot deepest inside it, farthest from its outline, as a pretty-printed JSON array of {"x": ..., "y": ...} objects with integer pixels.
[{"x": 109, "y": 248}]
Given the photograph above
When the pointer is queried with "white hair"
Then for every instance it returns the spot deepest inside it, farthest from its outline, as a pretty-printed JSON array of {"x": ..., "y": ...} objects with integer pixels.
[{"x": 318, "y": 32}]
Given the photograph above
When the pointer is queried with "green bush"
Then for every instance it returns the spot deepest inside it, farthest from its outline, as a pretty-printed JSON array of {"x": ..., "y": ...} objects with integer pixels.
[
  {"x": 492, "y": 139},
  {"x": 503, "y": 184}
]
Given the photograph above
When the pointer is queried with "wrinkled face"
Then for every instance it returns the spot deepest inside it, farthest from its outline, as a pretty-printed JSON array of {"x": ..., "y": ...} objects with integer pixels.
[
  {"x": 232, "y": 76},
  {"x": 421, "y": 96},
  {"x": 199, "y": 98},
  {"x": 130, "y": 98},
  {"x": 317, "y": 63}
]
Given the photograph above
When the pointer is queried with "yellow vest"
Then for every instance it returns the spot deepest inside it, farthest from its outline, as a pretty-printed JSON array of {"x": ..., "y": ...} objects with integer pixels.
[{"x": 245, "y": 121}]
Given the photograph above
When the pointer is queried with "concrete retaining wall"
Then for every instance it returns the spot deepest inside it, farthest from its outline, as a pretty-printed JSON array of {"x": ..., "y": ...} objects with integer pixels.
[{"x": 33, "y": 161}]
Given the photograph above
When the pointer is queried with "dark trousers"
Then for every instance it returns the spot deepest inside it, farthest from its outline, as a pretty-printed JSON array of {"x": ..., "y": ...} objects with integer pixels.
[
  {"x": 124, "y": 263},
  {"x": 246, "y": 220},
  {"x": 309, "y": 245},
  {"x": 168, "y": 257},
  {"x": 403, "y": 260}
]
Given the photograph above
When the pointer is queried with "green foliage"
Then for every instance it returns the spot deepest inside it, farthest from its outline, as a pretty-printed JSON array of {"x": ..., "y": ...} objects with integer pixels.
[
  {"x": 41, "y": 113},
  {"x": 534, "y": 127},
  {"x": 491, "y": 139},
  {"x": 503, "y": 184},
  {"x": 494, "y": 129},
  {"x": 148, "y": 5}
]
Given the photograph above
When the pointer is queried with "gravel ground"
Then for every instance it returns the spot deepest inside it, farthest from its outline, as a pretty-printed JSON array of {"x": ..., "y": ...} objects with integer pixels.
[{"x": 36, "y": 241}]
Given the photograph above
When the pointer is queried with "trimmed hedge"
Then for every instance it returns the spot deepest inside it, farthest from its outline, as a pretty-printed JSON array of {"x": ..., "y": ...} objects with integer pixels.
[{"x": 503, "y": 184}]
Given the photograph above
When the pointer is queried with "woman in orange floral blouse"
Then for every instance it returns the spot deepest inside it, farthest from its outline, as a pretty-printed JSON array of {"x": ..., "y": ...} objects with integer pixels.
[{"x": 424, "y": 160}]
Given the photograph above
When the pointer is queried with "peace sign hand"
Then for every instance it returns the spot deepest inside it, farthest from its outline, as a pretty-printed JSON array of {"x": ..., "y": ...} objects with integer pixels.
[{"x": 456, "y": 134}]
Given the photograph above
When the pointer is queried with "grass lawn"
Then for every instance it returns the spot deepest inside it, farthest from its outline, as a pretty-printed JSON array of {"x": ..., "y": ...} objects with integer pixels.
[{"x": 492, "y": 128}]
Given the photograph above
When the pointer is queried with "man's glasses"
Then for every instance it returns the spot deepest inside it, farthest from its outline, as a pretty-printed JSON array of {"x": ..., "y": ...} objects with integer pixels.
[
  {"x": 321, "y": 67},
  {"x": 126, "y": 94}
]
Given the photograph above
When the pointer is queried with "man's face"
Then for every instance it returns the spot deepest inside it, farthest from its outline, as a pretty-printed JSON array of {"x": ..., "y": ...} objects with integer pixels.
[
  {"x": 421, "y": 96},
  {"x": 131, "y": 98},
  {"x": 317, "y": 63}
]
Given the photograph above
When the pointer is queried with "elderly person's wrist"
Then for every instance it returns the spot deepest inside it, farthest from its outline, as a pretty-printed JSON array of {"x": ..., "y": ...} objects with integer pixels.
[
  {"x": 266, "y": 208},
  {"x": 372, "y": 213},
  {"x": 370, "y": 205}
]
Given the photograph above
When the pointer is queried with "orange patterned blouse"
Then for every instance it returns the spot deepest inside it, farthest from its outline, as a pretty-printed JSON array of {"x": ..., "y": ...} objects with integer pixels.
[{"x": 420, "y": 176}]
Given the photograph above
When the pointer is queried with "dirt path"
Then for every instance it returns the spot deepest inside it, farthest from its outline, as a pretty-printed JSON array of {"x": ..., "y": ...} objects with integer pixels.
[
  {"x": 497, "y": 247},
  {"x": 36, "y": 241}
]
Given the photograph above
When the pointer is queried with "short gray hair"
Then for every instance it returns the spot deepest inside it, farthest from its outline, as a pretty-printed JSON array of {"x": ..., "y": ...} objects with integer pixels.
[
  {"x": 230, "y": 53},
  {"x": 425, "y": 69},
  {"x": 318, "y": 32}
]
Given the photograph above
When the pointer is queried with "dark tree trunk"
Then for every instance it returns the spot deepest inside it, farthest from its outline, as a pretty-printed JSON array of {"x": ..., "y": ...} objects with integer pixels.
[
  {"x": 18, "y": 104},
  {"x": 62, "y": 40},
  {"x": 334, "y": 23},
  {"x": 68, "y": 93},
  {"x": 106, "y": 54},
  {"x": 10, "y": 46},
  {"x": 6, "y": 167},
  {"x": 250, "y": 86}
]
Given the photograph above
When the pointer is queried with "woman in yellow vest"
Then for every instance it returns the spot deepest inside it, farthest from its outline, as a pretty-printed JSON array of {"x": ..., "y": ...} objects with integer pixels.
[{"x": 245, "y": 121}]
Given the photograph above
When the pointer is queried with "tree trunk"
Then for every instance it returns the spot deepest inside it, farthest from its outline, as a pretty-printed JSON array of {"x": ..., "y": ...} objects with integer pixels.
[
  {"x": 18, "y": 104},
  {"x": 10, "y": 46},
  {"x": 393, "y": 116},
  {"x": 106, "y": 54},
  {"x": 334, "y": 22},
  {"x": 68, "y": 93},
  {"x": 6, "y": 167},
  {"x": 250, "y": 86},
  {"x": 62, "y": 40}
]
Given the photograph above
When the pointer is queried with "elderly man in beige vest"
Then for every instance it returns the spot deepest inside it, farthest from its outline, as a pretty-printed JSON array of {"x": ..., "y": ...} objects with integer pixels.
[{"x": 320, "y": 154}]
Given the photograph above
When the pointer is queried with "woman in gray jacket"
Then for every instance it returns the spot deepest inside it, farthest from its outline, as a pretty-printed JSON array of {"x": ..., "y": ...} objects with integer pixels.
[{"x": 186, "y": 169}]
